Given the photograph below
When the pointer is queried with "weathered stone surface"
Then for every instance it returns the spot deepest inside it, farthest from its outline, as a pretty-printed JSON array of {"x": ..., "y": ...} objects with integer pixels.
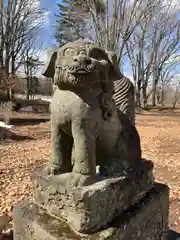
[
  {"x": 4, "y": 220},
  {"x": 91, "y": 207},
  {"x": 147, "y": 220},
  {"x": 87, "y": 129}
]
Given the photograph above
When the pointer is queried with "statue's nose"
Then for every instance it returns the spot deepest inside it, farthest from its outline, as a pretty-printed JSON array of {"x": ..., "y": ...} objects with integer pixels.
[{"x": 82, "y": 59}]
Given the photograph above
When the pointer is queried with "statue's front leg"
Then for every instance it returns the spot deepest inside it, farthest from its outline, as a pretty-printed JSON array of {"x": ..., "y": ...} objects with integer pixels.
[
  {"x": 61, "y": 151},
  {"x": 84, "y": 148}
]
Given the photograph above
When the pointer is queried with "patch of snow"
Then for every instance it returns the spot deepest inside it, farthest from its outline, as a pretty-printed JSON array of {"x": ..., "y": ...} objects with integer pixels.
[
  {"x": 4, "y": 125},
  {"x": 46, "y": 99},
  {"x": 27, "y": 109}
]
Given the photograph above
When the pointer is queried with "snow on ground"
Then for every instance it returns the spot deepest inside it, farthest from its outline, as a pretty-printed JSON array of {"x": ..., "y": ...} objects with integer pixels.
[
  {"x": 46, "y": 99},
  {"x": 4, "y": 125},
  {"x": 27, "y": 109},
  {"x": 42, "y": 97}
]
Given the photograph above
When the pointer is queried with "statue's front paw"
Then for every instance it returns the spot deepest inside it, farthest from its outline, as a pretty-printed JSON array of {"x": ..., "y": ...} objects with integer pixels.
[
  {"x": 80, "y": 180},
  {"x": 52, "y": 169}
]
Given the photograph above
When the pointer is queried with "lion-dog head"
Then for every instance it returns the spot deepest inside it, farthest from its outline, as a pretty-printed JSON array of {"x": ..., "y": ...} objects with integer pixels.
[{"x": 84, "y": 65}]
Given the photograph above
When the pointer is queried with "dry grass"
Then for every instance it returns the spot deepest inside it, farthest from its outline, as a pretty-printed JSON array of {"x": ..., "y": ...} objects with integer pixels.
[{"x": 160, "y": 143}]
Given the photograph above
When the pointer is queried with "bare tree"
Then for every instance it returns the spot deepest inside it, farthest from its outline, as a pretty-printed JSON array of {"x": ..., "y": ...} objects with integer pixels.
[
  {"x": 169, "y": 71},
  {"x": 31, "y": 63},
  {"x": 113, "y": 22},
  {"x": 20, "y": 21},
  {"x": 151, "y": 45},
  {"x": 177, "y": 91},
  {"x": 7, "y": 84},
  {"x": 167, "y": 45}
]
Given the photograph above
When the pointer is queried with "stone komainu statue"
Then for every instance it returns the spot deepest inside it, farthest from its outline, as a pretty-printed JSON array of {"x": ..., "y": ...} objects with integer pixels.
[
  {"x": 87, "y": 129},
  {"x": 124, "y": 91}
]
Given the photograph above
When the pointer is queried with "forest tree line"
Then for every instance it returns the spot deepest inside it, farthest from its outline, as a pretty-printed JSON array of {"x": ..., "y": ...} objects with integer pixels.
[{"x": 145, "y": 33}]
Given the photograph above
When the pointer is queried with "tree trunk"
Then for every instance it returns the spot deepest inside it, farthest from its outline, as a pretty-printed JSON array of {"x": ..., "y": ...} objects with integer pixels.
[
  {"x": 138, "y": 93},
  {"x": 7, "y": 116},
  {"x": 162, "y": 97},
  {"x": 154, "y": 94},
  {"x": 7, "y": 60},
  {"x": 27, "y": 88},
  {"x": 144, "y": 96},
  {"x": 174, "y": 104},
  {"x": 13, "y": 65},
  {"x": 138, "y": 99},
  {"x": 156, "y": 76},
  {"x": 1, "y": 58}
]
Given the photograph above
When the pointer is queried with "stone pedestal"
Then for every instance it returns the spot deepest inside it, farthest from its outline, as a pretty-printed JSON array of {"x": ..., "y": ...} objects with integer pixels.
[
  {"x": 89, "y": 208},
  {"x": 147, "y": 219},
  {"x": 114, "y": 208}
]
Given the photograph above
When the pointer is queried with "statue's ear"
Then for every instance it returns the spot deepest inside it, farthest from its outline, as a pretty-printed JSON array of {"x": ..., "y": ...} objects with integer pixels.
[
  {"x": 114, "y": 71},
  {"x": 49, "y": 64}
]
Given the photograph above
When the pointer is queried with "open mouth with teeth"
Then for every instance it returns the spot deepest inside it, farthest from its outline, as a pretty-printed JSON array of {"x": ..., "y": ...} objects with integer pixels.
[{"x": 79, "y": 71}]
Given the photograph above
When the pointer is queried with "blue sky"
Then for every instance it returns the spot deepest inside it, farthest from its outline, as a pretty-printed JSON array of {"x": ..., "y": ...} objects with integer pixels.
[{"x": 48, "y": 30}]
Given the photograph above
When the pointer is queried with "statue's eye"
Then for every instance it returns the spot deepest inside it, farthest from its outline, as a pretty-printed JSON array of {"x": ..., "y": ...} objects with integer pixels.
[
  {"x": 82, "y": 51},
  {"x": 69, "y": 52}
]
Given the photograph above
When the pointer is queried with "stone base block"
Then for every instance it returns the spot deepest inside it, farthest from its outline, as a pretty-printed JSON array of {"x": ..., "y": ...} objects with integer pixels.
[
  {"x": 147, "y": 220},
  {"x": 91, "y": 207}
]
